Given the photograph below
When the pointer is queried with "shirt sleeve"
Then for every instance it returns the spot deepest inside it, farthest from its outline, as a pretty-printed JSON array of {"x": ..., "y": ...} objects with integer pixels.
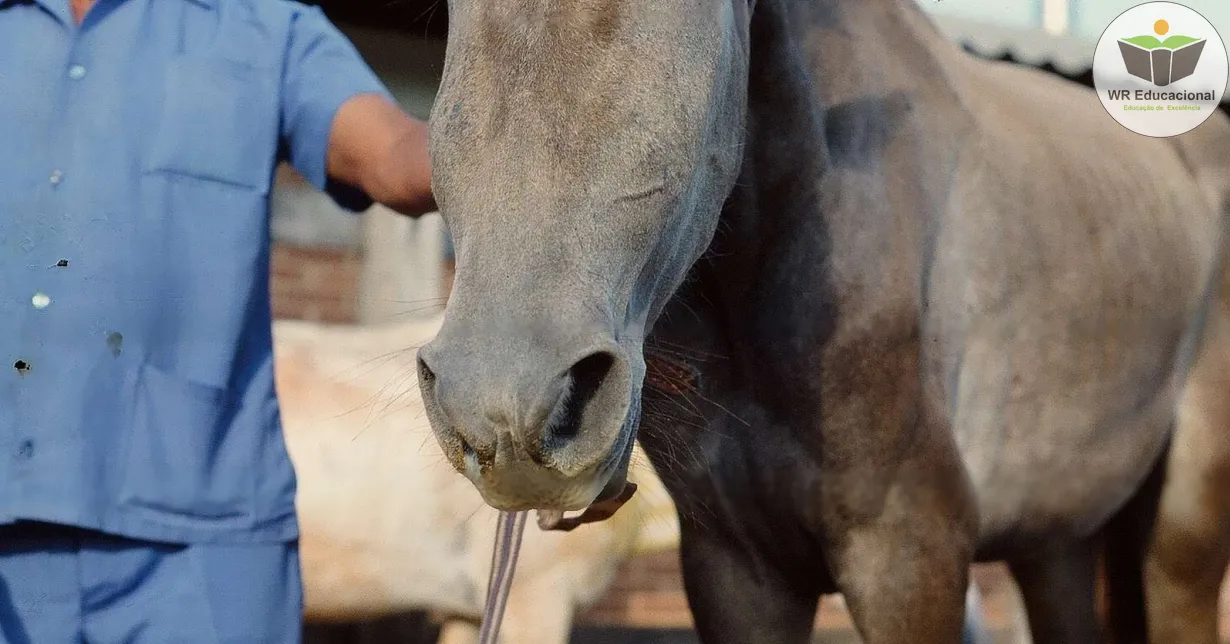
[{"x": 323, "y": 71}]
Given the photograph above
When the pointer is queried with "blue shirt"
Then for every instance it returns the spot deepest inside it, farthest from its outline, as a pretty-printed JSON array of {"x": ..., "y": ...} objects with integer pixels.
[{"x": 137, "y": 153}]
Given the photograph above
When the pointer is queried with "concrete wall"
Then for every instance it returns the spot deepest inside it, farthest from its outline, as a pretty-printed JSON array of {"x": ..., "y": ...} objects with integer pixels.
[
  {"x": 1090, "y": 17},
  {"x": 1022, "y": 14},
  {"x": 1085, "y": 18}
]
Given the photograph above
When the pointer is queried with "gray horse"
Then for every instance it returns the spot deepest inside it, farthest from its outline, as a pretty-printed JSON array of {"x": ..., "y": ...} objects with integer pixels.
[{"x": 921, "y": 309}]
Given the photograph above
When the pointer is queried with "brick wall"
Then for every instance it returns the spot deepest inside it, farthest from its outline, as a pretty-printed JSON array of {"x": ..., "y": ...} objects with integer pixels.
[
  {"x": 315, "y": 283},
  {"x": 648, "y": 593}
]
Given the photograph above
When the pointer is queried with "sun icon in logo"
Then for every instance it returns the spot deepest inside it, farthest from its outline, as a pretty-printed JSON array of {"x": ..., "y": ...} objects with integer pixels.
[{"x": 1161, "y": 27}]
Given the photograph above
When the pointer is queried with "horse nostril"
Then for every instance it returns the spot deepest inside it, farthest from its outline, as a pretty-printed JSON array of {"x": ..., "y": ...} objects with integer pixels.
[
  {"x": 585, "y": 378},
  {"x": 427, "y": 377}
]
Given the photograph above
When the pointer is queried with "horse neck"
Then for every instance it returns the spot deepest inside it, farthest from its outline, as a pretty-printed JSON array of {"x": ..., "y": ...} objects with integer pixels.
[
  {"x": 826, "y": 79},
  {"x": 858, "y": 39}
]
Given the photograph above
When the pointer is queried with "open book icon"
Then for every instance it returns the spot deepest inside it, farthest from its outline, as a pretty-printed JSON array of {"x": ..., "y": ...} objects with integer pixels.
[{"x": 1161, "y": 62}]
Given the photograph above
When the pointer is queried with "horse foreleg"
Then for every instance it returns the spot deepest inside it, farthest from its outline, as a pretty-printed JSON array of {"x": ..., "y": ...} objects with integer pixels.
[
  {"x": 905, "y": 572},
  {"x": 1187, "y": 557},
  {"x": 900, "y": 593},
  {"x": 1184, "y": 569},
  {"x": 1125, "y": 539},
  {"x": 738, "y": 597},
  {"x": 1058, "y": 591}
]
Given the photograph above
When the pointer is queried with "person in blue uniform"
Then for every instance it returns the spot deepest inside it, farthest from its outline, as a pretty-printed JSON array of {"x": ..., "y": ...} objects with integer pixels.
[{"x": 146, "y": 495}]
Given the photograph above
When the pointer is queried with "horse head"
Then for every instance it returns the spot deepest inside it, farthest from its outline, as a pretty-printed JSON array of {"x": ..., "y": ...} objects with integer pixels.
[{"x": 582, "y": 152}]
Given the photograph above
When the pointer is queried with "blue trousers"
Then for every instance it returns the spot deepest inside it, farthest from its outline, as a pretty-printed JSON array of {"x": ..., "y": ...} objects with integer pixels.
[{"x": 61, "y": 585}]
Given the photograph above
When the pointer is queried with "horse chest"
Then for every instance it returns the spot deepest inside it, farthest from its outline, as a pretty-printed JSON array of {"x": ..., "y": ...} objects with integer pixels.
[{"x": 735, "y": 471}]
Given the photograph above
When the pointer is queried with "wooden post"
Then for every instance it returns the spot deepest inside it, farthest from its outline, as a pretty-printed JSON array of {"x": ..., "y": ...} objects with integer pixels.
[
  {"x": 402, "y": 274},
  {"x": 1055, "y": 17}
]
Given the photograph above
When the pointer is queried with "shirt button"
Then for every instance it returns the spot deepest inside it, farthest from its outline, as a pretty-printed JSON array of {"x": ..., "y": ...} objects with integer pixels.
[
  {"x": 40, "y": 301},
  {"x": 26, "y": 449},
  {"x": 56, "y": 177},
  {"x": 76, "y": 72}
]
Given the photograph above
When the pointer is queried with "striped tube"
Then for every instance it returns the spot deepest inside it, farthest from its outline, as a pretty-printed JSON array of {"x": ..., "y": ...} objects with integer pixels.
[{"x": 508, "y": 532}]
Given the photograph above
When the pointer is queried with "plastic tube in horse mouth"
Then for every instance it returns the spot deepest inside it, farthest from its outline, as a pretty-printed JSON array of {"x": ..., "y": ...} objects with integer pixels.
[
  {"x": 508, "y": 532},
  {"x": 665, "y": 374},
  {"x": 510, "y": 528}
]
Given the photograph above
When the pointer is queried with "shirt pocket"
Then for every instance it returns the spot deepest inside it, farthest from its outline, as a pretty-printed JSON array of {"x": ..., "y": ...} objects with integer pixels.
[
  {"x": 218, "y": 122},
  {"x": 187, "y": 459}
]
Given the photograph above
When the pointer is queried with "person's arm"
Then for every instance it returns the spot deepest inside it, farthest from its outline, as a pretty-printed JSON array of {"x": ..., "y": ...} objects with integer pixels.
[
  {"x": 377, "y": 147},
  {"x": 342, "y": 129}
]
